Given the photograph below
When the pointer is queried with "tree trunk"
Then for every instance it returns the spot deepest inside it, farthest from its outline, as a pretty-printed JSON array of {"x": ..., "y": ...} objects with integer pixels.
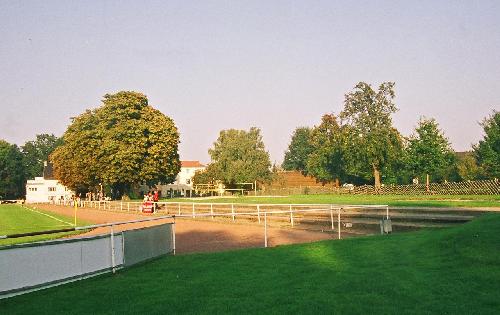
[
  {"x": 427, "y": 182},
  {"x": 376, "y": 175}
]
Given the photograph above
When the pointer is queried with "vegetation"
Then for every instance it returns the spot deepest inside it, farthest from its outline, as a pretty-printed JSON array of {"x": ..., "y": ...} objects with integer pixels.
[
  {"x": 12, "y": 178},
  {"x": 445, "y": 271},
  {"x": 298, "y": 151},
  {"x": 374, "y": 144},
  {"x": 17, "y": 219},
  {"x": 36, "y": 152},
  {"x": 122, "y": 143},
  {"x": 487, "y": 151},
  {"x": 238, "y": 156},
  {"x": 429, "y": 151}
]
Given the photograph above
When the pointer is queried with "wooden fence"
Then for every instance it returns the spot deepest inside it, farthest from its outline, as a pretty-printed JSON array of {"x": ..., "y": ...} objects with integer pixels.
[{"x": 480, "y": 187}]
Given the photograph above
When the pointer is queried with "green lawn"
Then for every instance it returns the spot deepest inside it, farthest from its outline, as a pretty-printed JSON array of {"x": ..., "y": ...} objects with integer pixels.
[
  {"x": 15, "y": 219},
  {"x": 392, "y": 200},
  {"x": 442, "y": 271}
]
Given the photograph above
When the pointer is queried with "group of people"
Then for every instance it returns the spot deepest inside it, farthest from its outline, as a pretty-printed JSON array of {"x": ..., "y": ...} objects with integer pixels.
[{"x": 152, "y": 196}]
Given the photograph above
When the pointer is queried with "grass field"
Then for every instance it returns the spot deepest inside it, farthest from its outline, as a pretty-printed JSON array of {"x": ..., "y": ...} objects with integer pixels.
[
  {"x": 471, "y": 201},
  {"x": 441, "y": 271},
  {"x": 15, "y": 219}
]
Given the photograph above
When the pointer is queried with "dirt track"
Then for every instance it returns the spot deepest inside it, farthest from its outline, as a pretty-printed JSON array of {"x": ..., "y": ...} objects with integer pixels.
[{"x": 199, "y": 235}]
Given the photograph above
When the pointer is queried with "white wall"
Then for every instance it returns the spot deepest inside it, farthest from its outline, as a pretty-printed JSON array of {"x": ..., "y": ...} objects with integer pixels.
[{"x": 46, "y": 190}]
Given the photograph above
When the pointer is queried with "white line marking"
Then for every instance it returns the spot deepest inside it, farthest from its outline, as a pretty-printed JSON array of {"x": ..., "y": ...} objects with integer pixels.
[{"x": 48, "y": 215}]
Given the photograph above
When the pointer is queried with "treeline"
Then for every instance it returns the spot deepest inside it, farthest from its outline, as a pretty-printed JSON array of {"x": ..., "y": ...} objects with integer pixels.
[
  {"x": 362, "y": 146},
  {"x": 17, "y": 164}
]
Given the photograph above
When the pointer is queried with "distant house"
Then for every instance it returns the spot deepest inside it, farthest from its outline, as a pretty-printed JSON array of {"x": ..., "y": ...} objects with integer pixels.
[
  {"x": 46, "y": 189},
  {"x": 183, "y": 185}
]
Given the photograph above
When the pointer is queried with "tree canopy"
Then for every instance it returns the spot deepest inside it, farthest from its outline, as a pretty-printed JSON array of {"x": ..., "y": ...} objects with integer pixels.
[
  {"x": 238, "y": 156},
  {"x": 298, "y": 151},
  {"x": 374, "y": 144},
  {"x": 429, "y": 152},
  {"x": 12, "y": 178},
  {"x": 326, "y": 161},
  {"x": 37, "y": 151},
  {"x": 487, "y": 151},
  {"x": 123, "y": 142}
]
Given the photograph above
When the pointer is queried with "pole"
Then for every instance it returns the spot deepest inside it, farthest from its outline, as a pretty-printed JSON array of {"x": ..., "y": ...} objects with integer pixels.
[
  {"x": 121, "y": 205},
  {"x": 76, "y": 206},
  {"x": 173, "y": 235},
  {"x": 331, "y": 216},
  {"x": 291, "y": 215},
  {"x": 339, "y": 222},
  {"x": 193, "y": 210},
  {"x": 258, "y": 212},
  {"x": 387, "y": 212},
  {"x": 179, "y": 207},
  {"x": 255, "y": 187},
  {"x": 265, "y": 229},
  {"x": 128, "y": 206},
  {"x": 232, "y": 210},
  {"x": 112, "y": 250},
  {"x": 212, "y": 210}
]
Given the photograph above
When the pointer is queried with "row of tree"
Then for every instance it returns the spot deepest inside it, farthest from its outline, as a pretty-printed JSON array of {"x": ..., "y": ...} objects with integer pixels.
[
  {"x": 121, "y": 144},
  {"x": 17, "y": 164},
  {"x": 361, "y": 145}
]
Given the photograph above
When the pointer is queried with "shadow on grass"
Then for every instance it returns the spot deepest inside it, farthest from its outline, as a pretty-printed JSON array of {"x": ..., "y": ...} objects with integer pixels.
[{"x": 437, "y": 272}]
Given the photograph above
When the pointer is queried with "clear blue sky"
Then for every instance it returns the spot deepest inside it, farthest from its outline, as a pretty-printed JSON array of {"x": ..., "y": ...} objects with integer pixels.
[{"x": 276, "y": 65}]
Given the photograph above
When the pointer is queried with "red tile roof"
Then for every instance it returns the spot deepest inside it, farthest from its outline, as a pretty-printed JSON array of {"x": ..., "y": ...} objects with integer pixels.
[{"x": 191, "y": 164}]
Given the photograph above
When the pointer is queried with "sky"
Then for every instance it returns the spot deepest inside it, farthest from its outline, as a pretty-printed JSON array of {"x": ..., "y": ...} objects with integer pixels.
[{"x": 275, "y": 65}]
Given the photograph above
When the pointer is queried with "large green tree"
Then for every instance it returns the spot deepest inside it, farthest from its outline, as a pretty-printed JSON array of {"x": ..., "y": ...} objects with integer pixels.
[
  {"x": 121, "y": 143},
  {"x": 239, "y": 156},
  {"x": 374, "y": 144},
  {"x": 298, "y": 150},
  {"x": 37, "y": 151},
  {"x": 429, "y": 152},
  {"x": 326, "y": 160},
  {"x": 487, "y": 151},
  {"x": 12, "y": 178}
]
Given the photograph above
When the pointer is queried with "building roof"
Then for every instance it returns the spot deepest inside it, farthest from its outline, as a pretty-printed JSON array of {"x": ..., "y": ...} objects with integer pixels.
[{"x": 191, "y": 164}]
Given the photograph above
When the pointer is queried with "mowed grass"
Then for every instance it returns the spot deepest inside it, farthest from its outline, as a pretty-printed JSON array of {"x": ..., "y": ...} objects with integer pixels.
[
  {"x": 442, "y": 271},
  {"x": 16, "y": 219},
  {"x": 458, "y": 201}
]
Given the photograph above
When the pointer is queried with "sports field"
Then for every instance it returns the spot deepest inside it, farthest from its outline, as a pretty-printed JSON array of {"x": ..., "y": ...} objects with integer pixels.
[
  {"x": 439, "y": 271},
  {"x": 16, "y": 219}
]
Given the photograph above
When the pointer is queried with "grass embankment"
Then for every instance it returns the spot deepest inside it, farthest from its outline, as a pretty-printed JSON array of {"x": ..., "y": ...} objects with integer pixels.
[
  {"x": 459, "y": 201},
  {"x": 445, "y": 271},
  {"x": 16, "y": 219}
]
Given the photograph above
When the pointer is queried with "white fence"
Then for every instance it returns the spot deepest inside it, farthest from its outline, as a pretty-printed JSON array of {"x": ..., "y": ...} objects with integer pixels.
[{"x": 28, "y": 267}]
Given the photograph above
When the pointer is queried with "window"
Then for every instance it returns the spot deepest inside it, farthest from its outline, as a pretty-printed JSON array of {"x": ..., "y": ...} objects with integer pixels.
[
  {"x": 188, "y": 181},
  {"x": 52, "y": 189}
]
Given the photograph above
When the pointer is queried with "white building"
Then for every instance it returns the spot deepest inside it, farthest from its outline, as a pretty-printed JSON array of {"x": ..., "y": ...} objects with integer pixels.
[
  {"x": 183, "y": 184},
  {"x": 46, "y": 189},
  {"x": 41, "y": 190}
]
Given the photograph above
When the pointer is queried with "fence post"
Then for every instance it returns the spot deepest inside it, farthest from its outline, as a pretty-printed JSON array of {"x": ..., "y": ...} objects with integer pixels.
[
  {"x": 232, "y": 210},
  {"x": 128, "y": 206},
  {"x": 113, "y": 264},
  {"x": 212, "y": 210},
  {"x": 258, "y": 212},
  {"x": 179, "y": 207},
  {"x": 121, "y": 205},
  {"x": 331, "y": 216},
  {"x": 387, "y": 212},
  {"x": 173, "y": 235},
  {"x": 193, "y": 210},
  {"x": 265, "y": 229},
  {"x": 291, "y": 215},
  {"x": 339, "y": 221}
]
